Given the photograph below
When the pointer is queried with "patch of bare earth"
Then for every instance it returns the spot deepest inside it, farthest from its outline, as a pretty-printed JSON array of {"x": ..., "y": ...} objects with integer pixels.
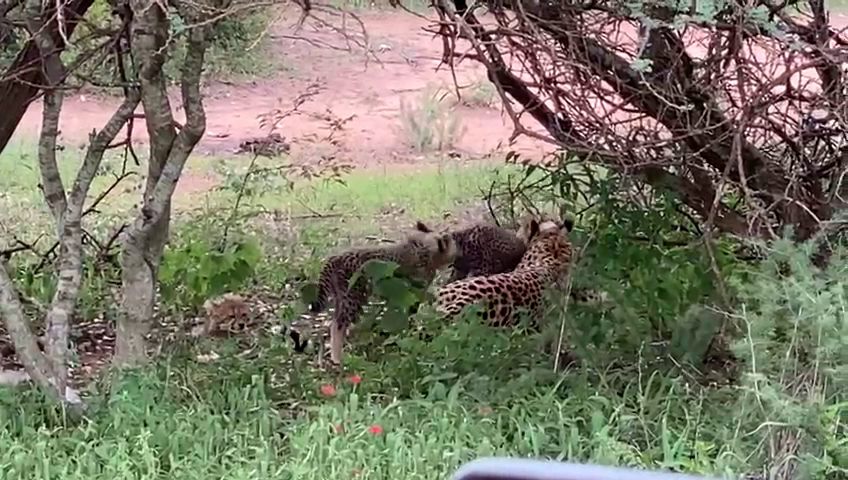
[{"x": 350, "y": 85}]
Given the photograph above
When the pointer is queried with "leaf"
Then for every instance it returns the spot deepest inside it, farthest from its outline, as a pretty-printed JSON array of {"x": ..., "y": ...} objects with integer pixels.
[
  {"x": 396, "y": 292},
  {"x": 241, "y": 271},
  {"x": 394, "y": 320},
  {"x": 643, "y": 65},
  {"x": 249, "y": 250},
  {"x": 377, "y": 269},
  {"x": 694, "y": 333},
  {"x": 222, "y": 261},
  {"x": 438, "y": 377},
  {"x": 309, "y": 293},
  {"x": 354, "y": 278}
]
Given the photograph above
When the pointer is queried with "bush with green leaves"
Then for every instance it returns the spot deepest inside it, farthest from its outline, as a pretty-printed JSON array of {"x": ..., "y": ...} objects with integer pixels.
[
  {"x": 645, "y": 253},
  {"x": 399, "y": 293},
  {"x": 11, "y": 42},
  {"x": 197, "y": 267},
  {"x": 792, "y": 340},
  {"x": 237, "y": 47}
]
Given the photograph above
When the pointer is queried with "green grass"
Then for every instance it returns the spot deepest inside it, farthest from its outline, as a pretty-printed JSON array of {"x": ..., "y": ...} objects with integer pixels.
[
  {"x": 465, "y": 391},
  {"x": 372, "y": 202},
  {"x": 262, "y": 418}
]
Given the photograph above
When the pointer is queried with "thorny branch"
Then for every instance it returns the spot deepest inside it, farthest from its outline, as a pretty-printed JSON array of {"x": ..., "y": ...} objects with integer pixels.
[{"x": 714, "y": 111}]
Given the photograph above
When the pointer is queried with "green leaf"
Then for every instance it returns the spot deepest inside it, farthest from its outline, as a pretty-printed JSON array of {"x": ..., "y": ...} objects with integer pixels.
[
  {"x": 377, "y": 269},
  {"x": 694, "y": 333},
  {"x": 394, "y": 320},
  {"x": 249, "y": 250},
  {"x": 354, "y": 278},
  {"x": 241, "y": 270},
  {"x": 309, "y": 293},
  {"x": 396, "y": 292}
]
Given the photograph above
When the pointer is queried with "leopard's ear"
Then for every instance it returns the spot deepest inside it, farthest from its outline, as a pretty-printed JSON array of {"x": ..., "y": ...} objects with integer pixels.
[
  {"x": 443, "y": 243},
  {"x": 419, "y": 225},
  {"x": 534, "y": 228},
  {"x": 446, "y": 245},
  {"x": 567, "y": 224}
]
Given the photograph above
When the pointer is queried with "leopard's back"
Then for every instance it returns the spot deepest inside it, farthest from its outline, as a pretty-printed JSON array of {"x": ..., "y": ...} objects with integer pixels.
[
  {"x": 486, "y": 250},
  {"x": 501, "y": 295}
]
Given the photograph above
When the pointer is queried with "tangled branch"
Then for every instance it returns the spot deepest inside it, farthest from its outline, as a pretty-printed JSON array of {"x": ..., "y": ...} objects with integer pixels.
[{"x": 715, "y": 107}]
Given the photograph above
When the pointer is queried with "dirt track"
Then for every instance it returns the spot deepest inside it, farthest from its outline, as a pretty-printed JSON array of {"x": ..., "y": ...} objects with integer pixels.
[{"x": 349, "y": 85}]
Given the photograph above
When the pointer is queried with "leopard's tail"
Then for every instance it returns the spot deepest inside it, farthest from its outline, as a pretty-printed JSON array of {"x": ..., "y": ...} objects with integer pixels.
[{"x": 322, "y": 297}]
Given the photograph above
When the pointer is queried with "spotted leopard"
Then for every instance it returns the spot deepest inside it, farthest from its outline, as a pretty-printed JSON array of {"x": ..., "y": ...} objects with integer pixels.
[
  {"x": 419, "y": 257},
  {"x": 231, "y": 314},
  {"x": 547, "y": 257},
  {"x": 485, "y": 249}
]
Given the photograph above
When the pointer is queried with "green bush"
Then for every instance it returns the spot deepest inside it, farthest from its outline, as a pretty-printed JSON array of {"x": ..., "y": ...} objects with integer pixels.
[
  {"x": 197, "y": 267},
  {"x": 793, "y": 343},
  {"x": 11, "y": 43},
  {"x": 237, "y": 48},
  {"x": 416, "y": 402}
]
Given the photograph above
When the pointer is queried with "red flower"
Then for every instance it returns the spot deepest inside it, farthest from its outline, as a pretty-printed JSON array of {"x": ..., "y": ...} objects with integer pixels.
[
  {"x": 375, "y": 430},
  {"x": 328, "y": 390},
  {"x": 339, "y": 428},
  {"x": 355, "y": 379}
]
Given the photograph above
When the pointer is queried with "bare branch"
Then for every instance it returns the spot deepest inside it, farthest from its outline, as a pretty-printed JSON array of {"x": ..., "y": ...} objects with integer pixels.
[{"x": 609, "y": 87}]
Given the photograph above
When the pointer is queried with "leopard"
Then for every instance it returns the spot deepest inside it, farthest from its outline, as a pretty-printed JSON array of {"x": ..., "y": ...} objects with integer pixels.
[
  {"x": 230, "y": 314},
  {"x": 501, "y": 295},
  {"x": 485, "y": 249},
  {"x": 420, "y": 257}
]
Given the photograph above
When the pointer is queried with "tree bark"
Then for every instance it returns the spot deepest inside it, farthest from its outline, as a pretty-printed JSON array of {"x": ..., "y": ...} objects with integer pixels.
[
  {"x": 26, "y": 345},
  {"x": 21, "y": 83},
  {"x": 144, "y": 240},
  {"x": 49, "y": 369}
]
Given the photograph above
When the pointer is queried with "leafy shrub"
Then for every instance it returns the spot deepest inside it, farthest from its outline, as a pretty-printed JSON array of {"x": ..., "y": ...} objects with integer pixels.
[
  {"x": 236, "y": 48},
  {"x": 399, "y": 293},
  {"x": 644, "y": 254},
  {"x": 794, "y": 349},
  {"x": 197, "y": 268},
  {"x": 11, "y": 43}
]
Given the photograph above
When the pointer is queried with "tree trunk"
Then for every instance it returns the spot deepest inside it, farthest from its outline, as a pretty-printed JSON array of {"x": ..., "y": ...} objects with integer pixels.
[
  {"x": 20, "y": 84},
  {"x": 26, "y": 346},
  {"x": 49, "y": 369},
  {"x": 144, "y": 240}
]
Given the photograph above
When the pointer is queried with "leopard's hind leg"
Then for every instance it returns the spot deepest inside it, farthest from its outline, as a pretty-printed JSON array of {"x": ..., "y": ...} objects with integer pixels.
[{"x": 348, "y": 308}]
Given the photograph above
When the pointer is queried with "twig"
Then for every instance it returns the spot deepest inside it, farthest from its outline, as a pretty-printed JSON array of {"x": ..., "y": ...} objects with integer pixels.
[
  {"x": 21, "y": 247},
  {"x": 92, "y": 208},
  {"x": 239, "y": 196},
  {"x": 567, "y": 295}
]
